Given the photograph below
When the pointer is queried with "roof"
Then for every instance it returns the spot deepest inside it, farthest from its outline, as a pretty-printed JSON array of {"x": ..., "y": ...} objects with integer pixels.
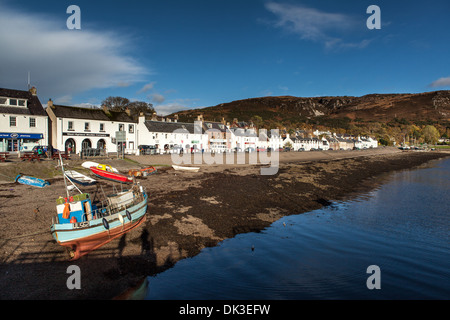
[
  {"x": 34, "y": 106},
  {"x": 217, "y": 126},
  {"x": 170, "y": 127},
  {"x": 90, "y": 114}
]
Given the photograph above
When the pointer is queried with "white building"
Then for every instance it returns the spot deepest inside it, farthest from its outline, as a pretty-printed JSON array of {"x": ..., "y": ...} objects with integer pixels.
[
  {"x": 270, "y": 139},
  {"x": 23, "y": 121},
  {"x": 368, "y": 142},
  {"x": 74, "y": 129},
  {"x": 308, "y": 144},
  {"x": 244, "y": 139},
  {"x": 171, "y": 136}
]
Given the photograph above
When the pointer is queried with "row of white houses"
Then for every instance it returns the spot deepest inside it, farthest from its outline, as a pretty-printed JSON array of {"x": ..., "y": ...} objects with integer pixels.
[{"x": 26, "y": 123}]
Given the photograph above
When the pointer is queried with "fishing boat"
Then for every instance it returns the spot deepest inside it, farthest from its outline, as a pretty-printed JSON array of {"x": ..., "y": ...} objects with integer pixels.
[
  {"x": 79, "y": 178},
  {"x": 82, "y": 226},
  {"x": 181, "y": 168},
  {"x": 105, "y": 171},
  {"x": 31, "y": 181}
]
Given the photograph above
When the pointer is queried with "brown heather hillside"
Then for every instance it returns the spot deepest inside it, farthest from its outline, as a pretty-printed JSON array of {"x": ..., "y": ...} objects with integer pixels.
[{"x": 421, "y": 108}]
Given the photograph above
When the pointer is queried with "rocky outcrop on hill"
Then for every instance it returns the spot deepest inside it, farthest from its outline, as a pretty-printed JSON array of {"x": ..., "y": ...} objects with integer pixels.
[{"x": 434, "y": 106}]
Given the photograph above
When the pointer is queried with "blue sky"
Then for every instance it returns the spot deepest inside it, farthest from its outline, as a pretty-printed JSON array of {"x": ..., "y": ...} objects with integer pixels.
[{"x": 190, "y": 54}]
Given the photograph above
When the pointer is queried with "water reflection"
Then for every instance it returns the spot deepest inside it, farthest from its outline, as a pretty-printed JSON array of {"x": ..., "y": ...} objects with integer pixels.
[{"x": 402, "y": 227}]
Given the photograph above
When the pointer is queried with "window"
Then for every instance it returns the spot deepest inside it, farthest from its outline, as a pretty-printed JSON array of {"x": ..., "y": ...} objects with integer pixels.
[
  {"x": 130, "y": 128},
  {"x": 86, "y": 126},
  {"x": 12, "y": 121},
  {"x": 121, "y": 127},
  {"x": 13, "y": 102},
  {"x": 102, "y": 127},
  {"x": 32, "y": 122},
  {"x": 70, "y": 126}
]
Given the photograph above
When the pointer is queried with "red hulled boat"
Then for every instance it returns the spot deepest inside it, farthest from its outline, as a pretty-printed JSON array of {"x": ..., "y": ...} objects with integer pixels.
[{"x": 105, "y": 171}]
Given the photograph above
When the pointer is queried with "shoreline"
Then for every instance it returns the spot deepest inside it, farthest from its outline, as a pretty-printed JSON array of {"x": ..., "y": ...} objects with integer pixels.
[{"x": 187, "y": 212}]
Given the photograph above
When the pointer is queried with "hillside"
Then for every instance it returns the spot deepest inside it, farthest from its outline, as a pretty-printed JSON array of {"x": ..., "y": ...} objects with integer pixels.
[{"x": 288, "y": 111}]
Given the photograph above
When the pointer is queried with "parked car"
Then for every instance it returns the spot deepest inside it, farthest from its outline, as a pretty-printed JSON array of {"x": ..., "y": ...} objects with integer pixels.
[
  {"x": 42, "y": 149},
  {"x": 301, "y": 149},
  {"x": 147, "y": 149}
]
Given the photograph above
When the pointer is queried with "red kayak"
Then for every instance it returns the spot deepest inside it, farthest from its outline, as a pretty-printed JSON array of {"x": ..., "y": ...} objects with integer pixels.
[{"x": 110, "y": 175}]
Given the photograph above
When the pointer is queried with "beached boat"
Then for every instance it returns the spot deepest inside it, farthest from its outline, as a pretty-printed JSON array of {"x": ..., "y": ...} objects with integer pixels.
[
  {"x": 105, "y": 171},
  {"x": 83, "y": 226},
  {"x": 79, "y": 178},
  {"x": 192, "y": 169},
  {"x": 142, "y": 172},
  {"x": 31, "y": 181},
  {"x": 89, "y": 164}
]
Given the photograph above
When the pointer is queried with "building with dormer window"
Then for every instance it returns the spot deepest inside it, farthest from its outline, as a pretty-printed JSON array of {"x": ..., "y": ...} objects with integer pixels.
[
  {"x": 23, "y": 121},
  {"x": 74, "y": 129}
]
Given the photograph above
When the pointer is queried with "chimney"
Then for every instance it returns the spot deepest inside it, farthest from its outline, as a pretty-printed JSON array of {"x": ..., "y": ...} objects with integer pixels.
[
  {"x": 33, "y": 91},
  {"x": 154, "y": 117},
  {"x": 50, "y": 103},
  {"x": 200, "y": 117},
  {"x": 141, "y": 117},
  {"x": 127, "y": 111}
]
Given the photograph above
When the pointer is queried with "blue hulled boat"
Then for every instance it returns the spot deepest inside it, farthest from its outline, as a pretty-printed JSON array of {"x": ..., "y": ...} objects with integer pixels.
[
  {"x": 31, "y": 181},
  {"x": 82, "y": 226}
]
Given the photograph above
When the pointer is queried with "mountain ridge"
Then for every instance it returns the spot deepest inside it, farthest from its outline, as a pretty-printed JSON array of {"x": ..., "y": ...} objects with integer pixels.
[{"x": 432, "y": 106}]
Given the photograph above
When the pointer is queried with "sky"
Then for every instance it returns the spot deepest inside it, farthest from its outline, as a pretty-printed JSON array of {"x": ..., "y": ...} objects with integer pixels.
[{"x": 180, "y": 55}]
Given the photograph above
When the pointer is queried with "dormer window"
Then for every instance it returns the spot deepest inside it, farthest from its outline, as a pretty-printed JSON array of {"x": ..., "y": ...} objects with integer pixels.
[{"x": 13, "y": 102}]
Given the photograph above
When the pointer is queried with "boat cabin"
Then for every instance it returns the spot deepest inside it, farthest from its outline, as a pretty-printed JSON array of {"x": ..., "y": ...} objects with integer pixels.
[
  {"x": 105, "y": 167},
  {"x": 80, "y": 206}
]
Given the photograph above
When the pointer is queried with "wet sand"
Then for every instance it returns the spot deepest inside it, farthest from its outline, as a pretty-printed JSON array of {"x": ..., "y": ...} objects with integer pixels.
[{"x": 187, "y": 212}]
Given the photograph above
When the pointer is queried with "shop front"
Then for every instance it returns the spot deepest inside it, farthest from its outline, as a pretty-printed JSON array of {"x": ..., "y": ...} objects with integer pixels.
[{"x": 14, "y": 142}]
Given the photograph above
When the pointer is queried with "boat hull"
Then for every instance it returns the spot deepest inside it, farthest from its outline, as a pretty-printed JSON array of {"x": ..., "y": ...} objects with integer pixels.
[
  {"x": 84, "y": 237},
  {"x": 191, "y": 169},
  {"x": 31, "y": 181},
  {"x": 79, "y": 178},
  {"x": 112, "y": 176}
]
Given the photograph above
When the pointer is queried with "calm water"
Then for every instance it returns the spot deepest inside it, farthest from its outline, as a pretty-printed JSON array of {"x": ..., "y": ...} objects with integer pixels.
[{"x": 402, "y": 227}]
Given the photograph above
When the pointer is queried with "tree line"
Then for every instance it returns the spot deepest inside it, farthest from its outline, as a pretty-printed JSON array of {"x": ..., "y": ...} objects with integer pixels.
[{"x": 120, "y": 104}]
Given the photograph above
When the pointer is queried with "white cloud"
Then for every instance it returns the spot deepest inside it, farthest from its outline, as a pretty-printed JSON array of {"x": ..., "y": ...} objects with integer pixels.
[
  {"x": 156, "y": 97},
  {"x": 147, "y": 87},
  {"x": 175, "y": 106},
  {"x": 442, "y": 82},
  {"x": 314, "y": 25},
  {"x": 169, "y": 108},
  {"x": 62, "y": 62}
]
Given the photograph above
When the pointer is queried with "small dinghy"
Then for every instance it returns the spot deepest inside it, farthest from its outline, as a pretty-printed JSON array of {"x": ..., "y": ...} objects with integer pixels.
[
  {"x": 79, "y": 178},
  {"x": 89, "y": 164},
  {"x": 192, "y": 169},
  {"x": 31, "y": 181}
]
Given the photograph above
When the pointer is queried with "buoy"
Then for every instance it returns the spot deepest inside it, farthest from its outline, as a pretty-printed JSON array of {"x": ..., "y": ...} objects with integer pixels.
[
  {"x": 73, "y": 220},
  {"x": 128, "y": 215},
  {"x": 105, "y": 223},
  {"x": 120, "y": 218}
]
